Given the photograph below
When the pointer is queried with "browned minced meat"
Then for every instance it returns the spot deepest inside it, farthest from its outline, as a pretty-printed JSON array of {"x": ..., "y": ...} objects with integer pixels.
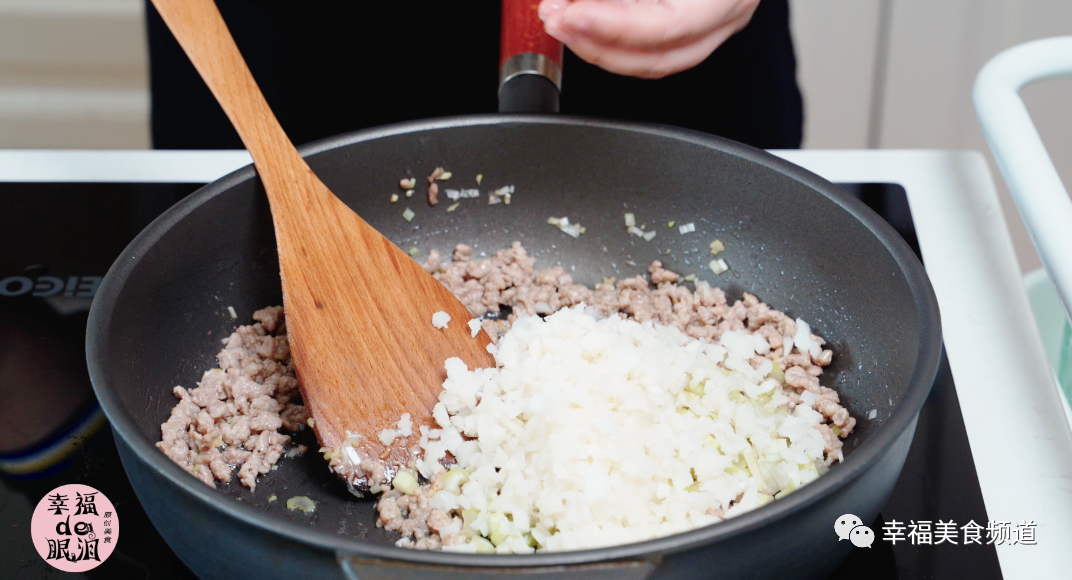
[
  {"x": 232, "y": 419},
  {"x": 421, "y": 526}
]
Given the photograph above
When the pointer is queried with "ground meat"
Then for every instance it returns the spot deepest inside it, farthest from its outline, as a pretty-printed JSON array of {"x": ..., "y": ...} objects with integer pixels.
[
  {"x": 422, "y": 527},
  {"x": 232, "y": 419},
  {"x": 831, "y": 444}
]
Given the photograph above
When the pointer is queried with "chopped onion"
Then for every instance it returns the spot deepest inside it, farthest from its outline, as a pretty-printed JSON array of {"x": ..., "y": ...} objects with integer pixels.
[
  {"x": 440, "y": 319},
  {"x": 405, "y": 481},
  {"x": 302, "y": 503},
  {"x": 686, "y": 228},
  {"x": 408, "y": 215},
  {"x": 718, "y": 266},
  {"x": 630, "y": 220},
  {"x": 387, "y": 436}
]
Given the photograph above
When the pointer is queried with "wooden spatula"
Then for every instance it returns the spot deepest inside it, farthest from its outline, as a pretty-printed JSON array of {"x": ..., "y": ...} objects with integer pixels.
[{"x": 358, "y": 309}]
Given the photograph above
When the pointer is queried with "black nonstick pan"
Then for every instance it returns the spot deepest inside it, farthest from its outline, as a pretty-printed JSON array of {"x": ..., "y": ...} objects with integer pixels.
[{"x": 798, "y": 242}]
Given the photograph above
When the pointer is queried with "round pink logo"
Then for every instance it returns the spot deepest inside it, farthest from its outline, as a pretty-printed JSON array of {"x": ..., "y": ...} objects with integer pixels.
[{"x": 74, "y": 528}]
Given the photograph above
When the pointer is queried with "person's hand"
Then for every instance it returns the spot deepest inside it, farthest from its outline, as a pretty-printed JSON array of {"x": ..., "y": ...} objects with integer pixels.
[{"x": 645, "y": 38}]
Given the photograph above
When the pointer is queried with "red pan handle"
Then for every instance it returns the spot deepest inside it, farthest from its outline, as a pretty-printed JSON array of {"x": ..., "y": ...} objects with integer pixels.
[{"x": 530, "y": 61}]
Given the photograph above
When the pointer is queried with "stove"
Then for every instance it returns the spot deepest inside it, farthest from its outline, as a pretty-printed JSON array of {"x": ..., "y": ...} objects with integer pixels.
[{"x": 62, "y": 237}]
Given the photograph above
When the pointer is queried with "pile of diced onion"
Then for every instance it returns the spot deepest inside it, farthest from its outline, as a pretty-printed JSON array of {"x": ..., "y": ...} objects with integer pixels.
[{"x": 592, "y": 433}]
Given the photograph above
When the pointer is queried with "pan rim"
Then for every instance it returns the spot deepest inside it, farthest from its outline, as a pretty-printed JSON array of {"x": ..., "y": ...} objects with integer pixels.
[{"x": 861, "y": 460}]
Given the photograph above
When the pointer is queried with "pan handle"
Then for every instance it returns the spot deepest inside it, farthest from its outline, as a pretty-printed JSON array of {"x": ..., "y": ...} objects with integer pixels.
[
  {"x": 530, "y": 61},
  {"x": 358, "y": 568}
]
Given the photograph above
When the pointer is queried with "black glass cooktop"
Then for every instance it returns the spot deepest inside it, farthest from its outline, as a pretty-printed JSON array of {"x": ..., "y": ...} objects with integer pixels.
[{"x": 58, "y": 239}]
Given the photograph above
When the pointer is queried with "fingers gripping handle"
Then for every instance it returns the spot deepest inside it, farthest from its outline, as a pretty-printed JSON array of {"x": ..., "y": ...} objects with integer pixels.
[{"x": 530, "y": 61}]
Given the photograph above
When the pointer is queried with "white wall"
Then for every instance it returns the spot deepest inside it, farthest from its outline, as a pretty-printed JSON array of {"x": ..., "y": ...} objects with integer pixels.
[
  {"x": 73, "y": 74},
  {"x": 932, "y": 53}
]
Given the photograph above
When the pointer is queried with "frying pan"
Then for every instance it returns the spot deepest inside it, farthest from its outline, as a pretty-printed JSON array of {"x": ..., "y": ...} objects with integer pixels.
[{"x": 798, "y": 242}]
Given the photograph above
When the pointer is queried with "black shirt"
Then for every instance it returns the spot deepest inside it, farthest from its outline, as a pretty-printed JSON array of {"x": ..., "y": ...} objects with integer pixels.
[{"x": 328, "y": 67}]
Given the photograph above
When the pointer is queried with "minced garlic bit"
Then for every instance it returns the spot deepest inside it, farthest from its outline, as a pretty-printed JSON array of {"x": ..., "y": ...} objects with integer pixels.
[
  {"x": 408, "y": 215},
  {"x": 563, "y": 223},
  {"x": 311, "y": 422},
  {"x": 440, "y": 319},
  {"x": 453, "y": 207},
  {"x": 686, "y": 228},
  {"x": 456, "y": 194},
  {"x": 408, "y": 182},
  {"x": 670, "y": 223},
  {"x": 479, "y": 178},
  {"x": 409, "y": 193},
  {"x": 504, "y": 192},
  {"x": 445, "y": 176},
  {"x": 493, "y": 199},
  {"x": 272, "y": 498},
  {"x": 716, "y": 247},
  {"x": 414, "y": 251},
  {"x": 231, "y": 311},
  {"x": 718, "y": 266},
  {"x": 690, "y": 278},
  {"x": 300, "y": 502},
  {"x": 394, "y": 198}
]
